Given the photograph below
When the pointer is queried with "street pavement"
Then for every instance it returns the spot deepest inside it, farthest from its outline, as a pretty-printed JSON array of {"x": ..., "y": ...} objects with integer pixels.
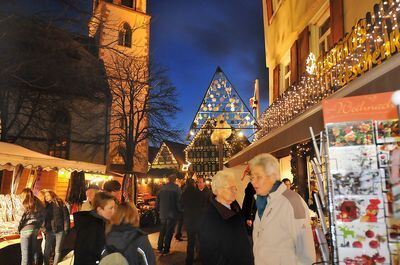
[{"x": 177, "y": 254}]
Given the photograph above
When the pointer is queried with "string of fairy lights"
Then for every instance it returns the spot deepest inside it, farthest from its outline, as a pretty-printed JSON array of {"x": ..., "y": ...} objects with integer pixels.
[
  {"x": 160, "y": 153},
  {"x": 371, "y": 41}
]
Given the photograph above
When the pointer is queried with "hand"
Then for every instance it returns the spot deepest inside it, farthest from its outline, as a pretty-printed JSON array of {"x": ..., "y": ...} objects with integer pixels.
[{"x": 249, "y": 223}]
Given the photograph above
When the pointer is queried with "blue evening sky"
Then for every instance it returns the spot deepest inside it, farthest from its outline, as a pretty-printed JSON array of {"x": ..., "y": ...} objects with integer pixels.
[{"x": 191, "y": 38}]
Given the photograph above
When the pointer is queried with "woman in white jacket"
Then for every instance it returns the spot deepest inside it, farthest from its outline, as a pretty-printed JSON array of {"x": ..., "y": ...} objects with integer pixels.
[{"x": 282, "y": 232}]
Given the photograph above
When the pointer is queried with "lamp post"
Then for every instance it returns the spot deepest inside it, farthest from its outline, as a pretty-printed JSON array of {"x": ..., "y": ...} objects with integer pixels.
[{"x": 221, "y": 132}]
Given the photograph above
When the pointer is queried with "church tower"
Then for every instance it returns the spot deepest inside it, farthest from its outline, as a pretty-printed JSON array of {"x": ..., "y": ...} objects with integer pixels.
[{"x": 121, "y": 30}]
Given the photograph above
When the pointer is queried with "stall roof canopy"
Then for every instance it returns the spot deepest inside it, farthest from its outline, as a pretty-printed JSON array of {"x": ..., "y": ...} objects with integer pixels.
[{"x": 12, "y": 155}]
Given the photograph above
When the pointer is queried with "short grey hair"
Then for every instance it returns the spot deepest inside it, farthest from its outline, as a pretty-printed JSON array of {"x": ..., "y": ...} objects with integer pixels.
[
  {"x": 269, "y": 163},
  {"x": 221, "y": 179}
]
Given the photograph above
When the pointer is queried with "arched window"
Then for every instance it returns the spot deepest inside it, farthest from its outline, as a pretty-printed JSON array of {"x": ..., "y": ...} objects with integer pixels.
[
  {"x": 125, "y": 36},
  {"x": 128, "y": 3},
  {"x": 59, "y": 134}
]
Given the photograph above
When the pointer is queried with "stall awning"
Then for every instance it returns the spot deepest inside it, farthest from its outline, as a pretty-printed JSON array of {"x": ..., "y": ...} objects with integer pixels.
[
  {"x": 383, "y": 78},
  {"x": 12, "y": 155}
]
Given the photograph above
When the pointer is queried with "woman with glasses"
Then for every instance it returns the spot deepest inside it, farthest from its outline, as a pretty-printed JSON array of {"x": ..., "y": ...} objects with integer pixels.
[{"x": 223, "y": 236}]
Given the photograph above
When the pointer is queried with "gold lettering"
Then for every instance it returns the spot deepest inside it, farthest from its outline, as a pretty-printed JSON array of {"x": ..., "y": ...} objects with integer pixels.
[
  {"x": 394, "y": 41},
  {"x": 358, "y": 43},
  {"x": 361, "y": 107},
  {"x": 375, "y": 56}
]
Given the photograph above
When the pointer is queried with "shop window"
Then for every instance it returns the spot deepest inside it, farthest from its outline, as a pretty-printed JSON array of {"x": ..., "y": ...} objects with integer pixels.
[
  {"x": 286, "y": 168},
  {"x": 125, "y": 36},
  {"x": 320, "y": 29},
  {"x": 324, "y": 37},
  {"x": 128, "y": 3},
  {"x": 59, "y": 134}
]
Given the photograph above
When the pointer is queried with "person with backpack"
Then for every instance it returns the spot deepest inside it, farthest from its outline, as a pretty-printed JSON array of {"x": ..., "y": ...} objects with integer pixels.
[
  {"x": 28, "y": 228},
  {"x": 90, "y": 227},
  {"x": 126, "y": 239},
  {"x": 56, "y": 225}
]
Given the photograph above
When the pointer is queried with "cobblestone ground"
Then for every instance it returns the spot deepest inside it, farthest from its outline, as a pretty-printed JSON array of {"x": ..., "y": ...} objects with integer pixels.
[{"x": 178, "y": 251}]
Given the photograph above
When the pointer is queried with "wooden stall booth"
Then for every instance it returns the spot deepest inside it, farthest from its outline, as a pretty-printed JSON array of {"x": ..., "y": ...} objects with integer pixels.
[{"x": 21, "y": 168}]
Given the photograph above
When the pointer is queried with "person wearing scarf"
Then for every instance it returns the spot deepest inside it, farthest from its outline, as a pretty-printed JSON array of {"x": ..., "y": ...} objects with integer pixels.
[{"x": 282, "y": 232}]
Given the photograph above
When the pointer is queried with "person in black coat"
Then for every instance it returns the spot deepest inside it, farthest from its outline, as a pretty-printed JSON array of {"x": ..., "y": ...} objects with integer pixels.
[
  {"x": 90, "y": 229},
  {"x": 249, "y": 207},
  {"x": 191, "y": 201},
  {"x": 56, "y": 225},
  {"x": 205, "y": 192},
  {"x": 168, "y": 206},
  {"x": 223, "y": 237},
  {"x": 127, "y": 238}
]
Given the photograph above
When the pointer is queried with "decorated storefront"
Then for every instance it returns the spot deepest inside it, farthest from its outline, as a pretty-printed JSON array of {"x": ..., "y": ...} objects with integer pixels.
[{"x": 365, "y": 61}]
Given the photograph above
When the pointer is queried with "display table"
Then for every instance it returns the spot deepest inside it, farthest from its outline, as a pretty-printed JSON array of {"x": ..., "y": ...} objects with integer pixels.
[
  {"x": 10, "y": 250},
  {"x": 8, "y": 241}
]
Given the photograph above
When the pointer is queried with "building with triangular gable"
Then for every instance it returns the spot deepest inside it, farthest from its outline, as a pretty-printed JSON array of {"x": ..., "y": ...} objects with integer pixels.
[
  {"x": 169, "y": 155},
  {"x": 167, "y": 159},
  {"x": 221, "y": 101}
]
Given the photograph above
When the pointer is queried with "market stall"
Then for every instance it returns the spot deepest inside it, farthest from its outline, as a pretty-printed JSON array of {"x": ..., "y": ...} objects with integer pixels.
[{"x": 21, "y": 168}]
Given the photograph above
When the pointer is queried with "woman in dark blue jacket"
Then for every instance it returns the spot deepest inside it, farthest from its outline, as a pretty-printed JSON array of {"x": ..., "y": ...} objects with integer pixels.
[{"x": 126, "y": 238}]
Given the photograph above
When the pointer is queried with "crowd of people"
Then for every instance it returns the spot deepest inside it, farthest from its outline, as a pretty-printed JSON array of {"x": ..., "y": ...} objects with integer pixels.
[
  {"x": 273, "y": 227},
  {"x": 105, "y": 230}
]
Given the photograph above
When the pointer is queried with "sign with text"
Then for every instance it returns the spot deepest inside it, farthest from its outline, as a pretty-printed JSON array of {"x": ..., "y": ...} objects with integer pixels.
[{"x": 367, "y": 107}]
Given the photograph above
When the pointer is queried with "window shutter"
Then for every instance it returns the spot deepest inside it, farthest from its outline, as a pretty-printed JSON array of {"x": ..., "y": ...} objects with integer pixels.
[
  {"x": 269, "y": 10},
  {"x": 293, "y": 63},
  {"x": 303, "y": 51},
  {"x": 276, "y": 83},
  {"x": 336, "y": 16}
]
